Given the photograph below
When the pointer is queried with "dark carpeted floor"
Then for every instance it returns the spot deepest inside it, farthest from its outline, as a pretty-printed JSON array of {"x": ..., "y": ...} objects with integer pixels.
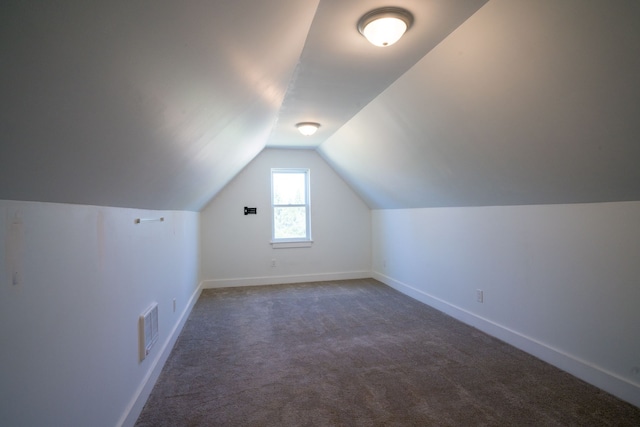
[{"x": 357, "y": 353}]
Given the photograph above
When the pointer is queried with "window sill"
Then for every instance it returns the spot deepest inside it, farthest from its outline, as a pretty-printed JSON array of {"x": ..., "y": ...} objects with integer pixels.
[{"x": 294, "y": 244}]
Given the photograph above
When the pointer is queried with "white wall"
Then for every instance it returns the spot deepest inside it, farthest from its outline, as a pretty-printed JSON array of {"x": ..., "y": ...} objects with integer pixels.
[
  {"x": 69, "y": 328},
  {"x": 236, "y": 248},
  {"x": 560, "y": 281}
]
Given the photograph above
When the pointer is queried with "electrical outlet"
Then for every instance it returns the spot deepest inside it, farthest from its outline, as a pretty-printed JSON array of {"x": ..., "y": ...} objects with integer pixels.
[
  {"x": 479, "y": 295},
  {"x": 174, "y": 305},
  {"x": 273, "y": 262}
]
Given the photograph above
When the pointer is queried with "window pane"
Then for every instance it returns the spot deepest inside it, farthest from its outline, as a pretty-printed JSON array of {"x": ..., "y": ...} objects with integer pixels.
[
  {"x": 289, "y": 188},
  {"x": 290, "y": 223}
]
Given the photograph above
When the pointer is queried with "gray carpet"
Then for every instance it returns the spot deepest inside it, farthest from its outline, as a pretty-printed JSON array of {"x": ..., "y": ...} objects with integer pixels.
[{"x": 357, "y": 353}]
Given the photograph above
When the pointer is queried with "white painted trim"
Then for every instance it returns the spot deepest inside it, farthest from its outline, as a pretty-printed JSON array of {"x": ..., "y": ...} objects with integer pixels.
[
  {"x": 291, "y": 244},
  {"x": 586, "y": 371},
  {"x": 133, "y": 410},
  {"x": 276, "y": 280}
]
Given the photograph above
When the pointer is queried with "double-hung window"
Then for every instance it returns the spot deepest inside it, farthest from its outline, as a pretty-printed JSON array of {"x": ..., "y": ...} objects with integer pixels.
[{"x": 291, "y": 208}]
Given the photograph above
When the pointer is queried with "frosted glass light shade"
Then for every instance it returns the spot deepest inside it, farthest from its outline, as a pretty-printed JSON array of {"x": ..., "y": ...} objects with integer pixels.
[
  {"x": 385, "y": 26},
  {"x": 308, "y": 128},
  {"x": 384, "y": 31}
]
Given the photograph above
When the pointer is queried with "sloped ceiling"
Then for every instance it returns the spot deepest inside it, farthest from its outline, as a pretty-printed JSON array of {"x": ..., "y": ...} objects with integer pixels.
[
  {"x": 527, "y": 102},
  {"x": 340, "y": 71},
  {"x": 147, "y": 103},
  {"x": 159, "y": 104}
]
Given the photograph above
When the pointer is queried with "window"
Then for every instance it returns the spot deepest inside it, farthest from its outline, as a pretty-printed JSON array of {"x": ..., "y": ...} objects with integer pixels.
[{"x": 291, "y": 214}]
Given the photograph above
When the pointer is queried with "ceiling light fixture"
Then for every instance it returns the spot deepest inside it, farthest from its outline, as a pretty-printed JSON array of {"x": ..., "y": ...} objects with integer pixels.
[
  {"x": 384, "y": 26},
  {"x": 308, "y": 128}
]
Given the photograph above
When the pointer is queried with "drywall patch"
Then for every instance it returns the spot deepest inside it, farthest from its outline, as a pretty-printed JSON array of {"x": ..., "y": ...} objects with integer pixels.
[
  {"x": 100, "y": 239},
  {"x": 14, "y": 249}
]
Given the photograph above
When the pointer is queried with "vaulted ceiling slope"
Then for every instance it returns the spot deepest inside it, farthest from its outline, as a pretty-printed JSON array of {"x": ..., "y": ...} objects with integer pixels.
[
  {"x": 148, "y": 103},
  {"x": 528, "y": 102},
  {"x": 159, "y": 103}
]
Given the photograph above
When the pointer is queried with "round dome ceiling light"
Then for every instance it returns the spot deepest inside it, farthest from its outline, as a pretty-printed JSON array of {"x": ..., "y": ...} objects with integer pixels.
[
  {"x": 308, "y": 128},
  {"x": 384, "y": 26}
]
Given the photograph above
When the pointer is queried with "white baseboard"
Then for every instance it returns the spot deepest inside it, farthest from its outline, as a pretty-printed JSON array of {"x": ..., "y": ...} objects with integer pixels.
[
  {"x": 134, "y": 408},
  {"x": 276, "y": 280},
  {"x": 586, "y": 371}
]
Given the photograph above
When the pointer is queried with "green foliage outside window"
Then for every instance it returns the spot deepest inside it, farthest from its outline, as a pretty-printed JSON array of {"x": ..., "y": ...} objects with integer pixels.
[{"x": 290, "y": 204}]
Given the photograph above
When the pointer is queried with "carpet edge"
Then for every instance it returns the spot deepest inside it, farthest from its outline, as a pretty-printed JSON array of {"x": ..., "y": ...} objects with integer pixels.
[
  {"x": 281, "y": 280},
  {"x": 135, "y": 406},
  {"x": 584, "y": 370}
]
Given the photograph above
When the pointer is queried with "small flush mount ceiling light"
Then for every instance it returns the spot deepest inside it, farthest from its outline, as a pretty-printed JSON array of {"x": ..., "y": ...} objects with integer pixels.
[
  {"x": 384, "y": 26},
  {"x": 308, "y": 128}
]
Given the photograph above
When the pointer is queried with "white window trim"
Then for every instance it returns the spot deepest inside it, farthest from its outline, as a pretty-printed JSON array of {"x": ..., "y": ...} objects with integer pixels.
[{"x": 285, "y": 243}]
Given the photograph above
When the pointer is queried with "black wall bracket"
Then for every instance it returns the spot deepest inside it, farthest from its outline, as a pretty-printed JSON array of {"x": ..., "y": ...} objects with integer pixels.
[{"x": 252, "y": 211}]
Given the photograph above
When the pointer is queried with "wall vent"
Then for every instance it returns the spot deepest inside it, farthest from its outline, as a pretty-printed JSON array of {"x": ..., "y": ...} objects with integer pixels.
[{"x": 148, "y": 330}]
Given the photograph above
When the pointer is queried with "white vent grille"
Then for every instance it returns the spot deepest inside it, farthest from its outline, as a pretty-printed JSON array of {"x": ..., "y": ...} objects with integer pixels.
[{"x": 148, "y": 330}]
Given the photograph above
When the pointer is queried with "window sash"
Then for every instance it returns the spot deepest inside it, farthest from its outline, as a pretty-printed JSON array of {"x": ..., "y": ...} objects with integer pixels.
[{"x": 280, "y": 206}]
